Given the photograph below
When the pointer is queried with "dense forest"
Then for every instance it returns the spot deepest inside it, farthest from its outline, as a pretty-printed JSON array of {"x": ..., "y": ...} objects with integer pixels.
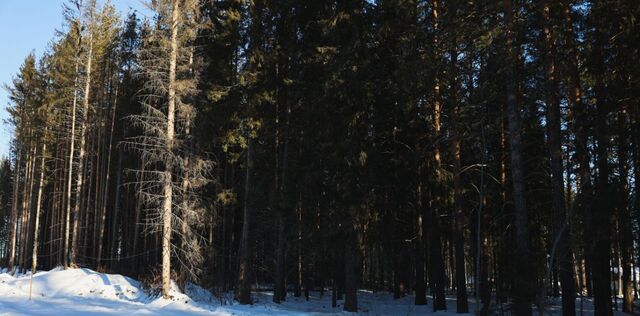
[{"x": 483, "y": 149}]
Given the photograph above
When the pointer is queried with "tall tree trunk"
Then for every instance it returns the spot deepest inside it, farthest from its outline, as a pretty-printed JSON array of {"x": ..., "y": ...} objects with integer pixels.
[
  {"x": 26, "y": 202},
  {"x": 72, "y": 138},
  {"x": 138, "y": 211},
  {"x": 421, "y": 285},
  {"x": 279, "y": 291},
  {"x": 350, "y": 274},
  {"x": 95, "y": 175},
  {"x": 184, "y": 225},
  {"x": 57, "y": 206},
  {"x": 579, "y": 125},
  {"x": 281, "y": 156},
  {"x": 561, "y": 229},
  {"x": 34, "y": 259},
  {"x": 635, "y": 135},
  {"x": 167, "y": 178},
  {"x": 625, "y": 225},
  {"x": 105, "y": 193},
  {"x": 462, "y": 306},
  {"x": 601, "y": 225},
  {"x": 522, "y": 282},
  {"x": 299, "y": 264},
  {"x": 81, "y": 155},
  {"x": 13, "y": 221},
  {"x": 437, "y": 272},
  {"x": 421, "y": 213},
  {"x": 243, "y": 292},
  {"x": 186, "y": 178}
]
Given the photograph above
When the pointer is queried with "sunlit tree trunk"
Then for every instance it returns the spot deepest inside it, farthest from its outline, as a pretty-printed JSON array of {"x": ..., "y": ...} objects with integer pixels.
[
  {"x": 167, "y": 178},
  {"x": 81, "y": 155},
  {"x": 34, "y": 258},
  {"x": 13, "y": 221}
]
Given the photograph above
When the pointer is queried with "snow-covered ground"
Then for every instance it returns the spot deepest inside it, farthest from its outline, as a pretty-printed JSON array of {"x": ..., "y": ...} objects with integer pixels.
[
  {"x": 83, "y": 292},
  {"x": 86, "y": 292}
]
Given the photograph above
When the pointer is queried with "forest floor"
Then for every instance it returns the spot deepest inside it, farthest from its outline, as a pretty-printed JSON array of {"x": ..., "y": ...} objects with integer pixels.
[{"x": 86, "y": 292}]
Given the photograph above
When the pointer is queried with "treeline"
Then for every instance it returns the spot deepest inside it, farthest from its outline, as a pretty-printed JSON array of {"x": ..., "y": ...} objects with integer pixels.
[{"x": 483, "y": 148}]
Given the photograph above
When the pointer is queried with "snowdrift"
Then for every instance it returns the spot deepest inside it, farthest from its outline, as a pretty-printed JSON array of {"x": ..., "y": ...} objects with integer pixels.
[{"x": 84, "y": 291}]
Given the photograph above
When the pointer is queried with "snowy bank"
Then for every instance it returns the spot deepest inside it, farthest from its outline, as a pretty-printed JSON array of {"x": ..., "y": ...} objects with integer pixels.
[{"x": 82, "y": 292}]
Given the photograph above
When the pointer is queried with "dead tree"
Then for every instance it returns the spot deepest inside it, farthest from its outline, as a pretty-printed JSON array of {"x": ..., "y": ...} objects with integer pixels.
[{"x": 172, "y": 174}]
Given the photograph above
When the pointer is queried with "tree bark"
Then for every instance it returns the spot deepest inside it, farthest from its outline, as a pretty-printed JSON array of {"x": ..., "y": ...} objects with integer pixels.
[
  {"x": 625, "y": 232},
  {"x": 437, "y": 272},
  {"x": 580, "y": 128},
  {"x": 167, "y": 178},
  {"x": 421, "y": 285},
  {"x": 601, "y": 225},
  {"x": 81, "y": 155},
  {"x": 522, "y": 283},
  {"x": 243, "y": 292},
  {"x": 26, "y": 202},
  {"x": 462, "y": 306},
  {"x": 350, "y": 275},
  {"x": 72, "y": 138},
  {"x": 105, "y": 193},
  {"x": 13, "y": 222},
  {"x": 279, "y": 291},
  {"x": 34, "y": 258},
  {"x": 561, "y": 229},
  {"x": 138, "y": 209}
]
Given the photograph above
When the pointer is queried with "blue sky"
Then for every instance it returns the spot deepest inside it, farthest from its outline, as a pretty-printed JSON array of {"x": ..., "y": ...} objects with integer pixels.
[{"x": 25, "y": 26}]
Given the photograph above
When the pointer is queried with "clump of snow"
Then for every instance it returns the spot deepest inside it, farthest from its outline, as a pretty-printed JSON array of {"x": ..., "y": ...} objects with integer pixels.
[{"x": 73, "y": 282}]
